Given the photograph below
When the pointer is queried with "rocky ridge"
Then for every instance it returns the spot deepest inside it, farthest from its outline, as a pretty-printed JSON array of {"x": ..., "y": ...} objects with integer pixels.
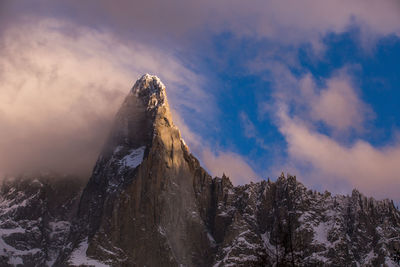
[
  {"x": 150, "y": 203},
  {"x": 35, "y": 218}
]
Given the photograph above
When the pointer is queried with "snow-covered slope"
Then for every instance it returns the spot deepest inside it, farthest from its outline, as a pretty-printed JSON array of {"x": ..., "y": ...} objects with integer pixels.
[
  {"x": 284, "y": 223},
  {"x": 35, "y": 218}
]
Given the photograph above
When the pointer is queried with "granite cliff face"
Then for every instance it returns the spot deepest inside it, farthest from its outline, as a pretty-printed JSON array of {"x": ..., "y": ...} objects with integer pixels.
[
  {"x": 150, "y": 203},
  {"x": 140, "y": 206}
]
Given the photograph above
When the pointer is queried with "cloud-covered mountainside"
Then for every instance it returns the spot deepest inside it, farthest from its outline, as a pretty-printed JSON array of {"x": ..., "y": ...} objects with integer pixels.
[{"x": 149, "y": 202}]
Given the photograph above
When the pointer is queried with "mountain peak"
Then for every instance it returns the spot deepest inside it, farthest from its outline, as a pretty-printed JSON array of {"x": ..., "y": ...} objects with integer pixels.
[
  {"x": 151, "y": 90},
  {"x": 150, "y": 203}
]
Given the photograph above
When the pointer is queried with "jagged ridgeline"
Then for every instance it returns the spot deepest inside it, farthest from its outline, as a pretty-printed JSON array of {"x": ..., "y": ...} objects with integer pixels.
[{"x": 150, "y": 203}]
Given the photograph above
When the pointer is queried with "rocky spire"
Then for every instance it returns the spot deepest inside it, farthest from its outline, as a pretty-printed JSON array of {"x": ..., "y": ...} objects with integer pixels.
[
  {"x": 135, "y": 121},
  {"x": 151, "y": 91},
  {"x": 143, "y": 187}
]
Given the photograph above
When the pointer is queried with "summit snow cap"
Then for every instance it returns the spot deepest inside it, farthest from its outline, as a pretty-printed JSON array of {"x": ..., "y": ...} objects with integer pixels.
[{"x": 151, "y": 90}]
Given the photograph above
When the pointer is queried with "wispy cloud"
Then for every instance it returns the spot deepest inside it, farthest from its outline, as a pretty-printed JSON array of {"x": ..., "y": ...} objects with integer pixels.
[
  {"x": 250, "y": 130},
  {"x": 373, "y": 170},
  {"x": 284, "y": 21},
  {"x": 336, "y": 104},
  {"x": 321, "y": 159},
  {"x": 61, "y": 86},
  {"x": 335, "y": 101}
]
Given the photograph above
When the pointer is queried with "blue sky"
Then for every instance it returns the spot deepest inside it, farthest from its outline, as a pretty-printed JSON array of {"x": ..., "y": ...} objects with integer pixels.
[
  {"x": 238, "y": 90},
  {"x": 306, "y": 87}
]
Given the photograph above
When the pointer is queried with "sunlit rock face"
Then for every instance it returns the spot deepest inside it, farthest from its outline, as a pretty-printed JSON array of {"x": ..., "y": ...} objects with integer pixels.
[
  {"x": 147, "y": 200},
  {"x": 150, "y": 203}
]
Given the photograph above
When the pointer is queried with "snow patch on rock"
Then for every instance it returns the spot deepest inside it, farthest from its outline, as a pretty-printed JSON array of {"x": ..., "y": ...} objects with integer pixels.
[
  {"x": 134, "y": 158},
  {"x": 151, "y": 90},
  {"x": 79, "y": 257}
]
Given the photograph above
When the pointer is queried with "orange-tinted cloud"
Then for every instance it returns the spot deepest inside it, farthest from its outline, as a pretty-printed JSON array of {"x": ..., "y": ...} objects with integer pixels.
[
  {"x": 233, "y": 165},
  {"x": 61, "y": 86},
  {"x": 217, "y": 161}
]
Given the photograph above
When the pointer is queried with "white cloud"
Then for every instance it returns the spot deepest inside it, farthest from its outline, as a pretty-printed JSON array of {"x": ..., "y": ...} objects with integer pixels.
[
  {"x": 322, "y": 160},
  {"x": 373, "y": 170},
  {"x": 337, "y": 104},
  {"x": 61, "y": 86}
]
